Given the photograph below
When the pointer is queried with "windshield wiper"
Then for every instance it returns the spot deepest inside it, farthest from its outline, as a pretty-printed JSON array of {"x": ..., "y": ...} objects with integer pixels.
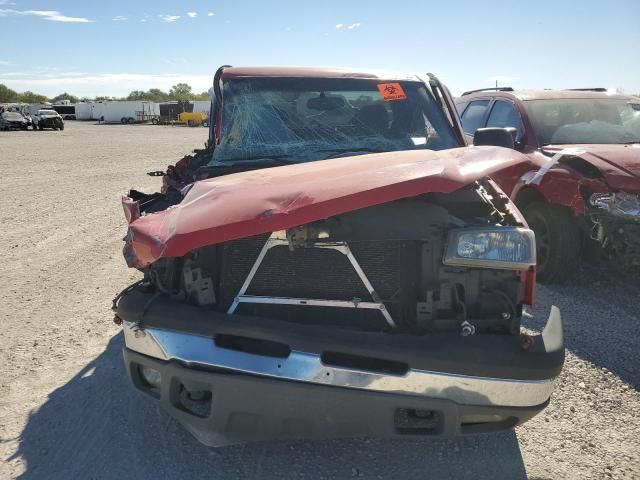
[
  {"x": 245, "y": 163},
  {"x": 337, "y": 151},
  {"x": 279, "y": 159}
]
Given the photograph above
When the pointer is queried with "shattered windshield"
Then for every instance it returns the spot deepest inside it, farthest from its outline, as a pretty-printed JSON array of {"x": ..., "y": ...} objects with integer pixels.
[
  {"x": 580, "y": 121},
  {"x": 304, "y": 119}
]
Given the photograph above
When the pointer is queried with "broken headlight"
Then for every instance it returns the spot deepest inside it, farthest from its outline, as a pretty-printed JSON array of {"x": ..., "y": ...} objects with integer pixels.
[
  {"x": 620, "y": 204},
  {"x": 511, "y": 248}
]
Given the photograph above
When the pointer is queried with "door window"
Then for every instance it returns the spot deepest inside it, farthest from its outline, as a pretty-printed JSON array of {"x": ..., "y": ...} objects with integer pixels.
[
  {"x": 471, "y": 118},
  {"x": 503, "y": 115}
]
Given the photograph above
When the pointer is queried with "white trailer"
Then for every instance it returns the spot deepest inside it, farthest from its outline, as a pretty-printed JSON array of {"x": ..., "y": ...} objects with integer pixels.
[
  {"x": 83, "y": 111},
  {"x": 201, "y": 105},
  {"x": 130, "y": 112},
  {"x": 97, "y": 111}
]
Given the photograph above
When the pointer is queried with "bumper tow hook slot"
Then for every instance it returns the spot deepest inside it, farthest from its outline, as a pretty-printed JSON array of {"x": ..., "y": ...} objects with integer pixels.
[{"x": 467, "y": 329}]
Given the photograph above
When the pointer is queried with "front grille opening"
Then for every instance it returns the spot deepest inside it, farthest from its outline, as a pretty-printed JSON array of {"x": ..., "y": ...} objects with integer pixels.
[
  {"x": 357, "y": 362},
  {"x": 266, "y": 348},
  {"x": 483, "y": 423},
  {"x": 414, "y": 421},
  {"x": 195, "y": 402}
]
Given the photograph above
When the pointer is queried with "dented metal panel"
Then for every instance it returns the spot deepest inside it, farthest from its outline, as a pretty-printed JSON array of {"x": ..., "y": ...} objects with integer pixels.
[
  {"x": 267, "y": 200},
  {"x": 618, "y": 164}
]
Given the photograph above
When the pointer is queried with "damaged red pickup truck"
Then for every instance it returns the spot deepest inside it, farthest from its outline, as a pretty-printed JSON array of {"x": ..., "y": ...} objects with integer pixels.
[{"x": 335, "y": 263}]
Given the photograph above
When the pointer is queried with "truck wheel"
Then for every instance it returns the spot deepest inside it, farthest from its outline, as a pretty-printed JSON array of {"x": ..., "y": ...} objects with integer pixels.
[
  {"x": 124, "y": 120},
  {"x": 557, "y": 241},
  {"x": 62, "y": 127},
  {"x": 154, "y": 121},
  {"x": 40, "y": 127},
  {"x": 205, "y": 123}
]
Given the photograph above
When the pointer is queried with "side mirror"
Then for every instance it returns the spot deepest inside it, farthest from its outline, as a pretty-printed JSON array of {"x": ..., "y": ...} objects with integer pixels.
[{"x": 498, "y": 137}]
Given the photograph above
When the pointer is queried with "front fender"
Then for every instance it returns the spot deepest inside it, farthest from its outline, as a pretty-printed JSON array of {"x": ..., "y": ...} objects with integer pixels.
[{"x": 557, "y": 186}]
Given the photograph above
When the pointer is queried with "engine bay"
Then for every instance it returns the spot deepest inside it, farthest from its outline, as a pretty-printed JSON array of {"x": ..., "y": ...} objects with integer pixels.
[{"x": 379, "y": 268}]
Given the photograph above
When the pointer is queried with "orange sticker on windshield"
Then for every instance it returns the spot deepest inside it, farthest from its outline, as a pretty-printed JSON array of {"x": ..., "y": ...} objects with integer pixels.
[{"x": 391, "y": 91}]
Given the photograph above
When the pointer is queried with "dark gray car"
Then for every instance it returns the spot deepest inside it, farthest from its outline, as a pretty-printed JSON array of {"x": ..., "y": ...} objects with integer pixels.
[
  {"x": 13, "y": 121},
  {"x": 48, "y": 119}
]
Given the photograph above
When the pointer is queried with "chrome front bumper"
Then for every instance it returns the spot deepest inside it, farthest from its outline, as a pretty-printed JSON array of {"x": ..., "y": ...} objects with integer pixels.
[{"x": 200, "y": 351}]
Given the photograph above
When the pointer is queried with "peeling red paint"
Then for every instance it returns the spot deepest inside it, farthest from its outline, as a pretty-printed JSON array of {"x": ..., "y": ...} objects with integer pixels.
[{"x": 259, "y": 201}]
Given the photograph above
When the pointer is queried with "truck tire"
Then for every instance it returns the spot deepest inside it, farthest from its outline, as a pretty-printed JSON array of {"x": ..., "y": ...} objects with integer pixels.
[
  {"x": 154, "y": 121},
  {"x": 557, "y": 241},
  {"x": 62, "y": 127},
  {"x": 124, "y": 120},
  {"x": 40, "y": 127}
]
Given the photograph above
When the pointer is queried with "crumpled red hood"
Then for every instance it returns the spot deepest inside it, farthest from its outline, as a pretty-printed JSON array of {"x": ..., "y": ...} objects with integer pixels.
[
  {"x": 266, "y": 200},
  {"x": 619, "y": 164}
]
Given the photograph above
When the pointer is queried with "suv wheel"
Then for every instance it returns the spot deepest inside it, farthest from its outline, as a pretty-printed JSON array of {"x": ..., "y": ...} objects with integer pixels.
[{"x": 557, "y": 241}]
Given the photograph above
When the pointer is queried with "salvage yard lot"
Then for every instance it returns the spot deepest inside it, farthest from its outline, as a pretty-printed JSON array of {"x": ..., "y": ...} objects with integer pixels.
[{"x": 66, "y": 410}]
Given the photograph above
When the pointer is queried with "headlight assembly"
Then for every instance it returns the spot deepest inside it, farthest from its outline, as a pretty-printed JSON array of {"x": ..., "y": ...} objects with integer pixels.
[
  {"x": 620, "y": 204},
  {"x": 510, "y": 248}
]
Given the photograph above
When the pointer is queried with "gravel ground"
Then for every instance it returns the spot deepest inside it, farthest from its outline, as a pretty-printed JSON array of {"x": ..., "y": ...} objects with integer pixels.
[{"x": 66, "y": 410}]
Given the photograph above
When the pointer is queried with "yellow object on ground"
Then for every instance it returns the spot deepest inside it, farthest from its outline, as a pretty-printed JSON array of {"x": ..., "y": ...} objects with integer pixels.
[{"x": 192, "y": 118}]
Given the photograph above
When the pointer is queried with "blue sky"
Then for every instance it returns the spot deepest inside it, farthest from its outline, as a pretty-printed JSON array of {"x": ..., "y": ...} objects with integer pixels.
[{"x": 110, "y": 48}]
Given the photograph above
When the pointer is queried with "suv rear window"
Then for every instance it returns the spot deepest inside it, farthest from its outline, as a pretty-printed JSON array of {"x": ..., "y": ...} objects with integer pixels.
[{"x": 472, "y": 117}]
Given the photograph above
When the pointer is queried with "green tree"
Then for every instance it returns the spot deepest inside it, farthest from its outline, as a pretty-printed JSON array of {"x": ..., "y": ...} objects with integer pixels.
[
  {"x": 64, "y": 96},
  {"x": 135, "y": 95},
  {"x": 201, "y": 96},
  {"x": 7, "y": 95},
  {"x": 181, "y": 91},
  {"x": 152, "y": 95},
  {"x": 30, "y": 97},
  {"x": 158, "y": 95}
]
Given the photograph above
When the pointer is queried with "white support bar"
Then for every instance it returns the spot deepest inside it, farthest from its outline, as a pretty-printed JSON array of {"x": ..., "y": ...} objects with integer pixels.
[
  {"x": 314, "y": 302},
  {"x": 277, "y": 238}
]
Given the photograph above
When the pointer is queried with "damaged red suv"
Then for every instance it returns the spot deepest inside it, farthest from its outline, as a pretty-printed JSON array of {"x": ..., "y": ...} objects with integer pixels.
[
  {"x": 580, "y": 189},
  {"x": 336, "y": 263}
]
